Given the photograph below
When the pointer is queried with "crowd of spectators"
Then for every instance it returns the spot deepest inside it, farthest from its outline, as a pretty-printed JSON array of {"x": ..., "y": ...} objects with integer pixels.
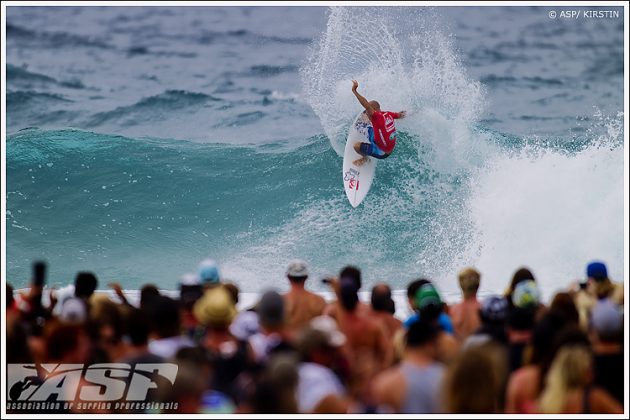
[{"x": 296, "y": 352}]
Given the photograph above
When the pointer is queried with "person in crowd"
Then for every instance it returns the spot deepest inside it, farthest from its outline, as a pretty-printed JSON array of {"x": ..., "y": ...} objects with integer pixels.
[
  {"x": 18, "y": 347},
  {"x": 465, "y": 315},
  {"x": 301, "y": 305},
  {"x": 520, "y": 275},
  {"x": 430, "y": 310},
  {"x": 369, "y": 347},
  {"x": 215, "y": 310},
  {"x": 148, "y": 294},
  {"x": 480, "y": 370},
  {"x": 412, "y": 289},
  {"x": 444, "y": 320},
  {"x": 166, "y": 327},
  {"x": 568, "y": 385},
  {"x": 353, "y": 274},
  {"x": 138, "y": 328},
  {"x": 521, "y": 320},
  {"x": 106, "y": 329},
  {"x": 564, "y": 305},
  {"x": 85, "y": 283},
  {"x": 493, "y": 316},
  {"x": 607, "y": 339},
  {"x": 190, "y": 290},
  {"x": 67, "y": 343},
  {"x": 383, "y": 308},
  {"x": 601, "y": 286},
  {"x": 274, "y": 336},
  {"x": 276, "y": 389},
  {"x": 414, "y": 385},
  {"x": 319, "y": 389},
  {"x": 185, "y": 396},
  {"x": 584, "y": 301},
  {"x": 525, "y": 382},
  {"x": 9, "y": 299},
  {"x": 212, "y": 401}
]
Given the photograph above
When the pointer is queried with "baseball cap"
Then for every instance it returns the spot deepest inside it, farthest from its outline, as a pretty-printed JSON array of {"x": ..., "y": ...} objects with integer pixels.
[
  {"x": 208, "y": 271},
  {"x": 215, "y": 307},
  {"x": 597, "y": 270},
  {"x": 526, "y": 294},
  {"x": 606, "y": 318},
  {"x": 271, "y": 309},
  {"x": 297, "y": 268},
  {"x": 427, "y": 295},
  {"x": 494, "y": 308},
  {"x": 329, "y": 328}
]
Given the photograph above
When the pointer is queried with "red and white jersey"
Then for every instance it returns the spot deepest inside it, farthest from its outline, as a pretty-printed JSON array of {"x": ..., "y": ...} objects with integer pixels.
[{"x": 384, "y": 130}]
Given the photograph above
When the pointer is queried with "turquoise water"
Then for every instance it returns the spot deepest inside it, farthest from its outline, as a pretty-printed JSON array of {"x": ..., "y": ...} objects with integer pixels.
[{"x": 142, "y": 140}]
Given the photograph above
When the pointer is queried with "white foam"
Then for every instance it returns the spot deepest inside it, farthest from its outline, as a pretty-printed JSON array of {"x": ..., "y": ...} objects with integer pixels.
[
  {"x": 551, "y": 210},
  {"x": 415, "y": 69}
]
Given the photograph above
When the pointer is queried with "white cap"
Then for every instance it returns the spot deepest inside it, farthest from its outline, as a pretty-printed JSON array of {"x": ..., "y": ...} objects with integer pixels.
[{"x": 297, "y": 268}]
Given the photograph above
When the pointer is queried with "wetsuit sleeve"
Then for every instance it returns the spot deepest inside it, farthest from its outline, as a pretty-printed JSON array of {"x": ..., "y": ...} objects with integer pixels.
[{"x": 396, "y": 115}]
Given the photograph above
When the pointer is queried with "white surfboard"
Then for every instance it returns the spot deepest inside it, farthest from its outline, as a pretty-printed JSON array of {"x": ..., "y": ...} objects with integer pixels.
[{"x": 357, "y": 180}]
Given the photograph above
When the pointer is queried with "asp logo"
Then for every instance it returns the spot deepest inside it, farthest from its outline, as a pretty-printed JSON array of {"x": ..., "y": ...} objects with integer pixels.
[{"x": 96, "y": 382}]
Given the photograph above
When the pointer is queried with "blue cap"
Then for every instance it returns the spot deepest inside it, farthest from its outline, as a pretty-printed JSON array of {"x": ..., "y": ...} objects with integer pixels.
[
  {"x": 208, "y": 271},
  {"x": 495, "y": 308},
  {"x": 597, "y": 269}
]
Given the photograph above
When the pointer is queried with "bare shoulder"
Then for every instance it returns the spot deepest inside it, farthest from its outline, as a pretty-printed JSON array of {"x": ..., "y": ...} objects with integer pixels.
[
  {"x": 387, "y": 387},
  {"x": 526, "y": 374},
  {"x": 456, "y": 309},
  {"x": 316, "y": 301},
  {"x": 384, "y": 381},
  {"x": 602, "y": 402},
  {"x": 313, "y": 297}
]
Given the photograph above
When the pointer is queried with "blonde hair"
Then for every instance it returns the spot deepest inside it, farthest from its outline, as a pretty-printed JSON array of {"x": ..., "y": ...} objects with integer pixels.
[
  {"x": 568, "y": 372},
  {"x": 469, "y": 279}
]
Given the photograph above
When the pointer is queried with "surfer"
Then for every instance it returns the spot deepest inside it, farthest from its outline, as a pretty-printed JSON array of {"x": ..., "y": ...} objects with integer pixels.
[{"x": 382, "y": 133}]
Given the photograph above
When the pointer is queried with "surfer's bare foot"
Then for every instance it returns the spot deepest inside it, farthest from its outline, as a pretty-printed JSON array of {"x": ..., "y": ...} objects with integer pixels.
[{"x": 361, "y": 162}]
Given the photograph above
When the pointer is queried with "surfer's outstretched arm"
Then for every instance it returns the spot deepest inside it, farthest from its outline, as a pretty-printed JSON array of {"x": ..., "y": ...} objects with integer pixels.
[{"x": 366, "y": 104}]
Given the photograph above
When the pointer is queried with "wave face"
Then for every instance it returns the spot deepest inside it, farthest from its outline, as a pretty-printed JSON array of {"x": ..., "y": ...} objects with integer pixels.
[{"x": 241, "y": 162}]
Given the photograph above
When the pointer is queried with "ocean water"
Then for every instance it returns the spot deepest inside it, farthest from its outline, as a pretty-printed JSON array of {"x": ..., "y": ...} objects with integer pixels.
[{"x": 141, "y": 140}]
